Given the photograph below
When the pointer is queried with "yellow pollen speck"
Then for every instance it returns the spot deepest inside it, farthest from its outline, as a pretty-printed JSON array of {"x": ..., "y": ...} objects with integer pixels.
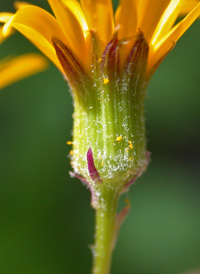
[
  {"x": 130, "y": 158},
  {"x": 105, "y": 81},
  {"x": 100, "y": 157},
  {"x": 102, "y": 163},
  {"x": 130, "y": 145},
  {"x": 127, "y": 150},
  {"x": 99, "y": 60},
  {"x": 119, "y": 138},
  {"x": 71, "y": 152},
  {"x": 69, "y": 143}
]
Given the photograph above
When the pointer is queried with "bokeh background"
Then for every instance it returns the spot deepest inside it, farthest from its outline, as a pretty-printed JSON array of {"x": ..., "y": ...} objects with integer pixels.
[{"x": 46, "y": 222}]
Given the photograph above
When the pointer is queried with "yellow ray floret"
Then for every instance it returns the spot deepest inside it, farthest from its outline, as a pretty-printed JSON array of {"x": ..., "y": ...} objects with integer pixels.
[
  {"x": 4, "y": 17},
  {"x": 164, "y": 45},
  {"x": 187, "y": 7},
  {"x": 126, "y": 19},
  {"x": 99, "y": 16},
  {"x": 12, "y": 70},
  {"x": 73, "y": 24},
  {"x": 38, "y": 26},
  {"x": 20, "y": 67},
  {"x": 19, "y": 4},
  {"x": 167, "y": 20},
  {"x": 149, "y": 15}
]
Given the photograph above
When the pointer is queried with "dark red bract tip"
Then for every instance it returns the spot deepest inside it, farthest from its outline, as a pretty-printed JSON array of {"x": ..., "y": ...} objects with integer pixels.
[{"x": 91, "y": 168}]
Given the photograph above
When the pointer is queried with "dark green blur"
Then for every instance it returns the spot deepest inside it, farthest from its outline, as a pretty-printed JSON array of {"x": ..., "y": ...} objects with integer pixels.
[{"x": 46, "y": 222}]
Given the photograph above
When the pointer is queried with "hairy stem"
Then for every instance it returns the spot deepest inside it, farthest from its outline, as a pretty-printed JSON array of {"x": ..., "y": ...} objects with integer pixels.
[{"x": 105, "y": 231}]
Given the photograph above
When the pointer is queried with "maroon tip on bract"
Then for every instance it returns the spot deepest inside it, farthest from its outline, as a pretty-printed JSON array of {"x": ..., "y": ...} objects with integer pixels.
[
  {"x": 73, "y": 69},
  {"x": 91, "y": 167}
]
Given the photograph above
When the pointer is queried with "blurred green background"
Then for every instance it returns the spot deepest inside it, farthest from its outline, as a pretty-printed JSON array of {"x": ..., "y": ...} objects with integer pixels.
[{"x": 46, "y": 222}]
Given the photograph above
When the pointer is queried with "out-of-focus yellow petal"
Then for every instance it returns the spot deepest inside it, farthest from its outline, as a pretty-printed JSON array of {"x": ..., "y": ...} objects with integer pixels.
[
  {"x": 10, "y": 31},
  {"x": 187, "y": 7},
  {"x": 149, "y": 14},
  {"x": 126, "y": 18},
  {"x": 20, "y": 67},
  {"x": 39, "y": 27},
  {"x": 2, "y": 37},
  {"x": 99, "y": 16},
  {"x": 167, "y": 20},
  {"x": 72, "y": 21},
  {"x": 18, "y": 4},
  {"x": 4, "y": 17},
  {"x": 163, "y": 46}
]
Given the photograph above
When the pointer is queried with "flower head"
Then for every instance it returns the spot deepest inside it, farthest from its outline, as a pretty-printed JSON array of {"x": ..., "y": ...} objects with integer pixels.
[{"x": 108, "y": 59}]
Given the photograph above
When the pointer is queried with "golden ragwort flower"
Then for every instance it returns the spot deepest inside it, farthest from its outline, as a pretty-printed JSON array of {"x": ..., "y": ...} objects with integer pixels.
[{"x": 108, "y": 59}]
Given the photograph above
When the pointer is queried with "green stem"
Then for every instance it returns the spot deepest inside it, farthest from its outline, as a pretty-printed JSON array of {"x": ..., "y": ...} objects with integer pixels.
[{"x": 105, "y": 231}]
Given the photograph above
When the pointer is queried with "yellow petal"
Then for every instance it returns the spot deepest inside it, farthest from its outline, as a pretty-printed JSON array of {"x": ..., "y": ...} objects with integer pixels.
[
  {"x": 167, "y": 20},
  {"x": 163, "y": 47},
  {"x": 126, "y": 19},
  {"x": 20, "y": 67},
  {"x": 187, "y": 7},
  {"x": 3, "y": 37},
  {"x": 149, "y": 14},
  {"x": 180, "y": 28},
  {"x": 19, "y": 4},
  {"x": 75, "y": 7},
  {"x": 4, "y": 17},
  {"x": 99, "y": 16},
  {"x": 39, "y": 27},
  {"x": 72, "y": 21}
]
